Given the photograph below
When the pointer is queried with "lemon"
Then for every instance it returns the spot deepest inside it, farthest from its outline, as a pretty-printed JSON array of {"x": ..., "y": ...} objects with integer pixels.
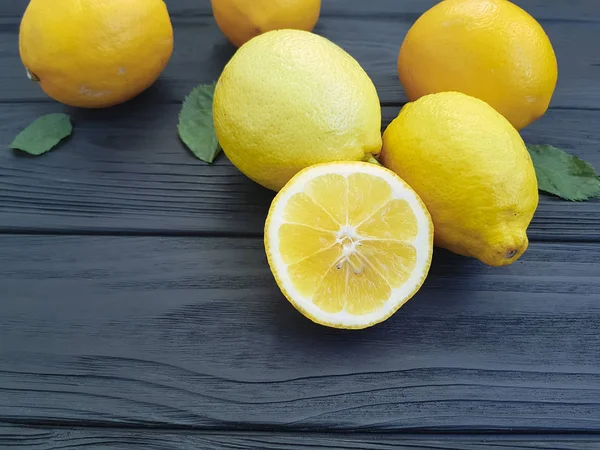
[
  {"x": 348, "y": 243},
  {"x": 289, "y": 99},
  {"x": 472, "y": 170},
  {"x": 490, "y": 49},
  {"x": 94, "y": 54},
  {"x": 241, "y": 20}
]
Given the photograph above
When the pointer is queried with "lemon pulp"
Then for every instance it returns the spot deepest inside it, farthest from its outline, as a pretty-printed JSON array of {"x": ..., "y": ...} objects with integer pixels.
[{"x": 350, "y": 244}]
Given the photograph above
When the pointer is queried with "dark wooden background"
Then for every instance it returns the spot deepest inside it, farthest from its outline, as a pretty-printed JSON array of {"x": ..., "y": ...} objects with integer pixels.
[{"x": 137, "y": 309}]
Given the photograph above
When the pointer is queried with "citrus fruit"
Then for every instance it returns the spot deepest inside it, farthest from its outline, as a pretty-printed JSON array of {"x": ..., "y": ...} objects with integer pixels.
[
  {"x": 490, "y": 49},
  {"x": 241, "y": 20},
  {"x": 348, "y": 243},
  {"x": 94, "y": 54},
  {"x": 289, "y": 99},
  {"x": 472, "y": 170}
]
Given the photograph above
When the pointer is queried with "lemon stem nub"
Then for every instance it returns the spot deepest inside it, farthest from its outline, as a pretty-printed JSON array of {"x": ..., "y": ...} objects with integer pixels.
[
  {"x": 371, "y": 159},
  {"x": 32, "y": 76}
]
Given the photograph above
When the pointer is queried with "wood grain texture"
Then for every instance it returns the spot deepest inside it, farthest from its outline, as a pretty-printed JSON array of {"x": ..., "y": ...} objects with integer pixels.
[
  {"x": 371, "y": 31},
  {"x": 193, "y": 333},
  {"x": 104, "y": 339},
  {"x": 124, "y": 170},
  {"x": 14, "y": 437},
  {"x": 578, "y": 10}
]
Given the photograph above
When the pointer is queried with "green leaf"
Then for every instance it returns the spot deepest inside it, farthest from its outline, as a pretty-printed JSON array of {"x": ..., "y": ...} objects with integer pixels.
[
  {"x": 196, "y": 126},
  {"x": 43, "y": 134},
  {"x": 562, "y": 174}
]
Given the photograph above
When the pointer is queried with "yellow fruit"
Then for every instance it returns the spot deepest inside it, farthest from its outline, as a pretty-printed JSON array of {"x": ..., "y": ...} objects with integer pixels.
[
  {"x": 289, "y": 99},
  {"x": 241, "y": 20},
  {"x": 94, "y": 54},
  {"x": 472, "y": 170},
  {"x": 490, "y": 49},
  {"x": 348, "y": 243}
]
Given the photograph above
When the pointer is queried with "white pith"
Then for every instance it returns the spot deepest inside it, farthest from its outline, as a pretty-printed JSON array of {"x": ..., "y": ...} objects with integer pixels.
[{"x": 350, "y": 241}]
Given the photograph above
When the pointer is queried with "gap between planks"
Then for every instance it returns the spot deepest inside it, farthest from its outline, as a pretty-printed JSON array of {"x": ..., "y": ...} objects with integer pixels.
[
  {"x": 162, "y": 102},
  {"x": 85, "y": 438},
  {"x": 217, "y": 235},
  {"x": 245, "y": 429},
  {"x": 137, "y": 233}
]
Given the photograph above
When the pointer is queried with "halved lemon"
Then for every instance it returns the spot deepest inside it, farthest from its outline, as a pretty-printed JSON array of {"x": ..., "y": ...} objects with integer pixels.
[{"x": 348, "y": 243}]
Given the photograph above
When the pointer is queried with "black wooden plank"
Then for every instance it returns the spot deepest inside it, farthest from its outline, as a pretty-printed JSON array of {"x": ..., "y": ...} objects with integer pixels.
[
  {"x": 193, "y": 332},
  {"x": 35, "y": 438},
  {"x": 373, "y": 38},
  {"x": 578, "y": 10},
  {"x": 125, "y": 170},
  {"x": 549, "y": 9}
]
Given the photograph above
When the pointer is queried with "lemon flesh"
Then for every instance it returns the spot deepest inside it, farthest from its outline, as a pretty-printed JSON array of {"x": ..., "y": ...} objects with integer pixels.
[{"x": 348, "y": 243}]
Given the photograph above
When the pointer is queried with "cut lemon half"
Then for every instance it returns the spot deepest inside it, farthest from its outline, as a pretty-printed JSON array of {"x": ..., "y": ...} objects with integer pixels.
[{"x": 348, "y": 243}]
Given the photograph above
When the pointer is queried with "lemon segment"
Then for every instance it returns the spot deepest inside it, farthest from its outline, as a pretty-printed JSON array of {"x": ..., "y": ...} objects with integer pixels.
[
  {"x": 348, "y": 243},
  {"x": 306, "y": 275},
  {"x": 368, "y": 193},
  {"x": 301, "y": 241},
  {"x": 327, "y": 187},
  {"x": 394, "y": 220},
  {"x": 301, "y": 206},
  {"x": 395, "y": 260}
]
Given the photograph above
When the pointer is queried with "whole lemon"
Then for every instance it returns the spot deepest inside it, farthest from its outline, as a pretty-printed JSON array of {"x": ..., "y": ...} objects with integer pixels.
[
  {"x": 490, "y": 49},
  {"x": 94, "y": 54},
  {"x": 241, "y": 20},
  {"x": 472, "y": 170},
  {"x": 289, "y": 99}
]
